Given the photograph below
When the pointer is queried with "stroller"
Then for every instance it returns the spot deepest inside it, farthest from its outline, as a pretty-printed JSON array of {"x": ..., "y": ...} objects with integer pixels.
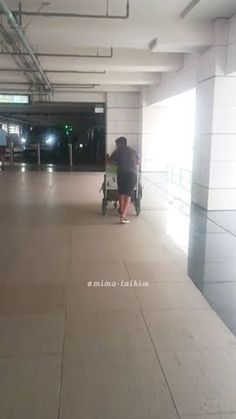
[{"x": 110, "y": 190}]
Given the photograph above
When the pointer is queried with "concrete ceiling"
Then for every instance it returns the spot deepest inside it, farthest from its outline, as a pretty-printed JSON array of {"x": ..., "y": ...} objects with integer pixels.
[{"x": 132, "y": 64}]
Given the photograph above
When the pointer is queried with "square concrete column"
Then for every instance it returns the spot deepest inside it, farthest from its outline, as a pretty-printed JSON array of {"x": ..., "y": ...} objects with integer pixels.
[
  {"x": 123, "y": 119},
  {"x": 214, "y": 163}
]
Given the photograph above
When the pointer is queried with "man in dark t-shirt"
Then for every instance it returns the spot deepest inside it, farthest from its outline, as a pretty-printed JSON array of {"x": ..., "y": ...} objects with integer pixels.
[{"x": 127, "y": 160}]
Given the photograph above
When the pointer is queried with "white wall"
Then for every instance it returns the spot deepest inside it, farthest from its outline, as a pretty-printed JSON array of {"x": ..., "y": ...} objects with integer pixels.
[
  {"x": 231, "y": 59},
  {"x": 123, "y": 119},
  {"x": 173, "y": 83},
  {"x": 214, "y": 181},
  {"x": 214, "y": 173},
  {"x": 153, "y": 136},
  {"x": 155, "y": 115}
]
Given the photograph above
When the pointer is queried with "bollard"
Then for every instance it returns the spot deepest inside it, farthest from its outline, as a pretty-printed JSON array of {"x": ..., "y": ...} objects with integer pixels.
[
  {"x": 39, "y": 154},
  {"x": 70, "y": 154},
  {"x": 11, "y": 152}
]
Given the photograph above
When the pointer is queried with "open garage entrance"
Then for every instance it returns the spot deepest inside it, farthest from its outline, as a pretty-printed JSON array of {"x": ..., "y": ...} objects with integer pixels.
[
  {"x": 60, "y": 134},
  {"x": 169, "y": 130},
  {"x": 168, "y": 157}
]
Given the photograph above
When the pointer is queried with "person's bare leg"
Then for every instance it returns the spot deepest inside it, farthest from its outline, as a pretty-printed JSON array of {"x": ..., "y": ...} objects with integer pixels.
[
  {"x": 127, "y": 200},
  {"x": 121, "y": 204}
]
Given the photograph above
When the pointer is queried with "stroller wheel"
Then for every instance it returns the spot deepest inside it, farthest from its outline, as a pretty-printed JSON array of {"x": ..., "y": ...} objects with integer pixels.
[
  {"x": 137, "y": 204},
  {"x": 104, "y": 206}
]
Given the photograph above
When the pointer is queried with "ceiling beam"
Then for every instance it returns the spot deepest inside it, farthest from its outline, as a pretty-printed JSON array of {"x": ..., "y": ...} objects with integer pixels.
[{"x": 22, "y": 12}]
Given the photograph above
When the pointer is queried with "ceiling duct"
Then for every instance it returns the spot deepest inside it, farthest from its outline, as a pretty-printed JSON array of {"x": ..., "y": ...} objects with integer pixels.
[{"x": 19, "y": 13}]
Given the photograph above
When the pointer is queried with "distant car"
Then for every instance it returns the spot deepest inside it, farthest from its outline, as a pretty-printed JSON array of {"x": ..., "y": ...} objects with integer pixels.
[
  {"x": 16, "y": 142},
  {"x": 49, "y": 138}
]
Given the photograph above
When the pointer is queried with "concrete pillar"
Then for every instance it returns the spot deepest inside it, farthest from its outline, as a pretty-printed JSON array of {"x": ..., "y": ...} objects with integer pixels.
[
  {"x": 214, "y": 163},
  {"x": 231, "y": 55},
  {"x": 123, "y": 119}
]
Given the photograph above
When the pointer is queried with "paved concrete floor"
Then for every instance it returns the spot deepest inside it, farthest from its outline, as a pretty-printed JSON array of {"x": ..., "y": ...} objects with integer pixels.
[{"x": 73, "y": 351}]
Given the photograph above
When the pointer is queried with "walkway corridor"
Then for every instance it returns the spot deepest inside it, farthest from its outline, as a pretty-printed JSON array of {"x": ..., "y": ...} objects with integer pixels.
[{"x": 70, "y": 349}]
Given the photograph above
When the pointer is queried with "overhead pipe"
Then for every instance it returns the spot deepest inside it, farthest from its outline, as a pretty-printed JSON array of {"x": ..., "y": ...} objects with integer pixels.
[
  {"x": 54, "y": 85},
  {"x": 21, "y": 61},
  {"x": 61, "y": 55},
  {"x": 20, "y": 14},
  {"x": 19, "y": 83},
  {"x": 14, "y": 25},
  {"x": 189, "y": 8},
  {"x": 75, "y": 72},
  {"x": 26, "y": 70},
  {"x": 74, "y": 85},
  {"x": 73, "y": 15}
]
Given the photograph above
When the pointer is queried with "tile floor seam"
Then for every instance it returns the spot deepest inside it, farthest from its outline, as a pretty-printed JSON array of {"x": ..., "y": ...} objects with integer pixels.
[
  {"x": 178, "y": 309},
  {"x": 17, "y": 251},
  {"x": 160, "y": 364},
  {"x": 225, "y": 229},
  {"x": 146, "y": 310},
  {"x": 64, "y": 336},
  {"x": 200, "y": 415},
  {"x": 211, "y": 415},
  {"x": 155, "y": 351},
  {"x": 170, "y": 282},
  {"x": 31, "y": 355},
  {"x": 47, "y": 195},
  {"x": 202, "y": 350},
  {"x": 62, "y": 365}
]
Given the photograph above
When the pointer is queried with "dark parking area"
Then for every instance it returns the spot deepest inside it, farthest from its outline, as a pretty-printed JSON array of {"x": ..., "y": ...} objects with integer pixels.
[{"x": 58, "y": 134}]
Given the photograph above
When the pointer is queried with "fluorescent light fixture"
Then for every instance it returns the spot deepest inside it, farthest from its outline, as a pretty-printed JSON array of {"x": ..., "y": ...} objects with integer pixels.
[
  {"x": 99, "y": 109},
  {"x": 153, "y": 44},
  {"x": 189, "y": 8},
  {"x": 13, "y": 99}
]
